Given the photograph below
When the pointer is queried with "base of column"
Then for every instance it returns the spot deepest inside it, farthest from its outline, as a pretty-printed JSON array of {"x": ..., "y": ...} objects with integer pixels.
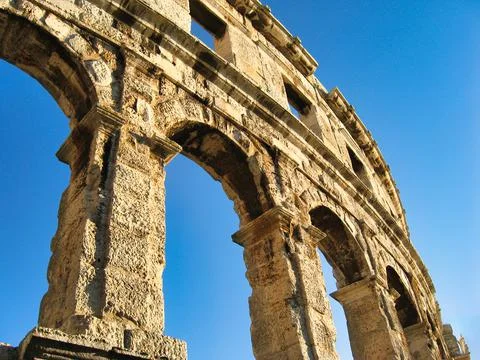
[
  {"x": 419, "y": 342},
  {"x": 43, "y": 343},
  {"x": 8, "y": 352}
]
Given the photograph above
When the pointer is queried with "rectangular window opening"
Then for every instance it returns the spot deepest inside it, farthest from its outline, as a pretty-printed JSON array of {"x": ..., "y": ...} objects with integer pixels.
[
  {"x": 299, "y": 105},
  {"x": 206, "y": 26},
  {"x": 358, "y": 168}
]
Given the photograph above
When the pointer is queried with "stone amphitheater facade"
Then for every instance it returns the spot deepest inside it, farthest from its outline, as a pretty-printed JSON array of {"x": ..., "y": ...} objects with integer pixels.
[{"x": 301, "y": 168}]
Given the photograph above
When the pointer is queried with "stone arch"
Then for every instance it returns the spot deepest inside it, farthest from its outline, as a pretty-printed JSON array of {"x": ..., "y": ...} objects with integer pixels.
[
  {"x": 225, "y": 160},
  {"x": 404, "y": 304},
  {"x": 108, "y": 255},
  {"x": 68, "y": 66},
  {"x": 340, "y": 247},
  {"x": 399, "y": 279},
  {"x": 58, "y": 57},
  {"x": 55, "y": 55},
  {"x": 416, "y": 326}
]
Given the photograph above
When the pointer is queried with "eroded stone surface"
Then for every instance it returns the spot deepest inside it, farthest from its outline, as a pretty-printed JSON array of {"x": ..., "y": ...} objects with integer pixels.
[{"x": 138, "y": 88}]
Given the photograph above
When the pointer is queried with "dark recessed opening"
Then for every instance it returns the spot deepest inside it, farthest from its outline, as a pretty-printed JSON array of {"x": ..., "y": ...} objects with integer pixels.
[
  {"x": 299, "y": 105},
  {"x": 205, "y": 24},
  {"x": 359, "y": 168},
  {"x": 406, "y": 310},
  {"x": 339, "y": 247}
]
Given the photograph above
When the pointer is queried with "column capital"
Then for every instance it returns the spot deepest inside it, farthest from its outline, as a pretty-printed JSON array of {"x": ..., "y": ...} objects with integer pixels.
[
  {"x": 357, "y": 290},
  {"x": 415, "y": 329},
  {"x": 276, "y": 218},
  {"x": 107, "y": 121},
  {"x": 161, "y": 145},
  {"x": 316, "y": 234},
  {"x": 98, "y": 118},
  {"x": 102, "y": 118}
]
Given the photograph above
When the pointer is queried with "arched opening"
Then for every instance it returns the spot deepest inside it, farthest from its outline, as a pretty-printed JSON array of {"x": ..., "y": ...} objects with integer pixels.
[
  {"x": 342, "y": 344},
  {"x": 33, "y": 178},
  {"x": 206, "y": 290},
  {"x": 32, "y": 129},
  {"x": 225, "y": 161},
  {"x": 341, "y": 256},
  {"x": 406, "y": 310},
  {"x": 41, "y": 56},
  {"x": 420, "y": 340},
  {"x": 339, "y": 247}
]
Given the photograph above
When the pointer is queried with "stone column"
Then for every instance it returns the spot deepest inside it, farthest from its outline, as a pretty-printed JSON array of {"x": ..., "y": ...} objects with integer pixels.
[
  {"x": 421, "y": 344},
  {"x": 108, "y": 255},
  {"x": 373, "y": 326},
  {"x": 289, "y": 309}
]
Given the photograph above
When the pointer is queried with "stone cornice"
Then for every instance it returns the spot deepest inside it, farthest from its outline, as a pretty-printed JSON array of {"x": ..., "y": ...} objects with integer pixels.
[
  {"x": 289, "y": 45},
  {"x": 102, "y": 118},
  {"x": 347, "y": 115},
  {"x": 420, "y": 327},
  {"x": 357, "y": 290},
  {"x": 48, "y": 343},
  {"x": 165, "y": 147}
]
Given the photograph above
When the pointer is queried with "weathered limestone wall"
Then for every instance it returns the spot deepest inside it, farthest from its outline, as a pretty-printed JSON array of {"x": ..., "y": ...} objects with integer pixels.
[{"x": 139, "y": 88}]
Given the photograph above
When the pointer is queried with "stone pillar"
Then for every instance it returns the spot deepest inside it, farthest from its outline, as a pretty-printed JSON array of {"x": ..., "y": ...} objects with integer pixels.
[
  {"x": 105, "y": 273},
  {"x": 289, "y": 309},
  {"x": 373, "y": 326},
  {"x": 420, "y": 343}
]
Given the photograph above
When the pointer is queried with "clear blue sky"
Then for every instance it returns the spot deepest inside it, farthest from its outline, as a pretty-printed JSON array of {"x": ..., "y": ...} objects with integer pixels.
[{"x": 413, "y": 74}]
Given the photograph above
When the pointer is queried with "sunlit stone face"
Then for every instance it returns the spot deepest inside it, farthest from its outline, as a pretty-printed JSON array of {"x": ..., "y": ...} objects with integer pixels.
[{"x": 303, "y": 173}]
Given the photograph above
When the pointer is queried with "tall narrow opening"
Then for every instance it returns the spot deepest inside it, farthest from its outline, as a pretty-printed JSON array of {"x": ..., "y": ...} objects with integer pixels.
[
  {"x": 406, "y": 310},
  {"x": 339, "y": 319},
  {"x": 32, "y": 128},
  {"x": 343, "y": 264},
  {"x": 298, "y": 103},
  {"x": 358, "y": 168},
  {"x": 205, "y": 287}
]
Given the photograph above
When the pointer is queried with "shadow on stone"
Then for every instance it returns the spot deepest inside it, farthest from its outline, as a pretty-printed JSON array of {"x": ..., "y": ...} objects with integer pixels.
[{"x": 7, "y": 352}]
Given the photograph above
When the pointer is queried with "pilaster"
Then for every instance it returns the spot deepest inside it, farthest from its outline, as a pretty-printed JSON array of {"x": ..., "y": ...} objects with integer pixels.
[
  {"x": 373, "y": 326},
  {"x": 291, "y": 317},
  {"x": 108, "y": 255}
]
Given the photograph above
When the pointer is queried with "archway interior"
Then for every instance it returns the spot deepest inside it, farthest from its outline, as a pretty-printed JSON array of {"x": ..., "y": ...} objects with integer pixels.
[
  {"x": 206, "y": 291},
  {"x": 224, "y": 161},
  {"x": 339, "y": 246},
  {"x": 341, "y": 264},
  {"x": 32, "y": 128},
  {"x": 205, "y": 287},
  {"x": 339, "y": 319},
  {"x": 406, "y": 310},
  {"x": 40, "y": 55}
]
